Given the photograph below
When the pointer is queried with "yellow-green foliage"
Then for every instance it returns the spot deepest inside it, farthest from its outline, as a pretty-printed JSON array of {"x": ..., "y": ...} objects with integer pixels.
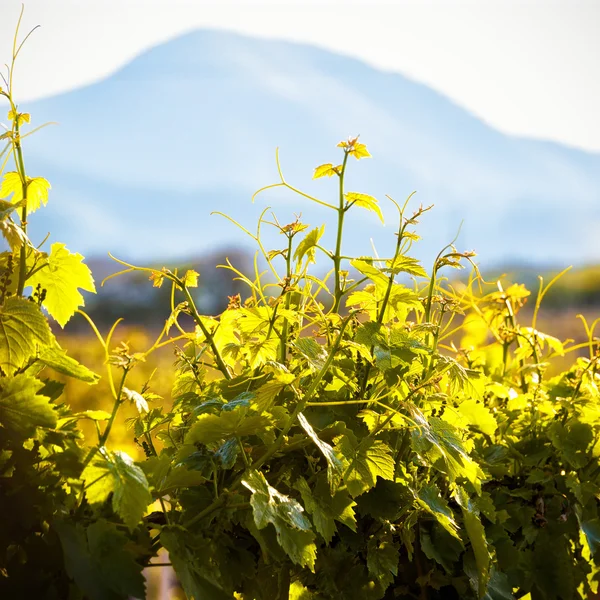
[{"x": 326, "y": 438}]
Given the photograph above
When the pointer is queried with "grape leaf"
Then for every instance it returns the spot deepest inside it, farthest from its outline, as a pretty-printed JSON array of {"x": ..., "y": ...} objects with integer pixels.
[
  {"x": 293, "y": 529},
  {"x": 37, "y": 190},
  {"x": 113, "y": 563},
  {"x": 21, "y": 409},
  {"x": 365, "y": 201},
  {"x": 307, "y": 247},
  {"x": 23, "y": 328},
  {"x": 327, "y": 170},
  {"x": 382, "y": 560},
  {"x": 62, "y": 278},
  {"x": 210, "y": 428},
  {"x": 299, "y": 592},
  {"x": 115, "y": 473},
  {"x": 334, "y": 464},
  {"x": 325, "y": 508},
  {"x": 476, "y": 534},
  {"x": 363, "y": 462},
  {"x": 429, "y": 499},
  {"x": 192, "y": 577},
  {"x": 56, "y": 358}
]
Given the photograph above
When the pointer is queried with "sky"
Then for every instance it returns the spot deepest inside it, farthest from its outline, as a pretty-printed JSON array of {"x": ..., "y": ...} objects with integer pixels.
[{"x": 527, "y": 67}]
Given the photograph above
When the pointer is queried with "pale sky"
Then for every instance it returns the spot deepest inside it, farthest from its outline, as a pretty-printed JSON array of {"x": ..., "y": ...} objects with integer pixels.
[{"x": 527, "y": 67}]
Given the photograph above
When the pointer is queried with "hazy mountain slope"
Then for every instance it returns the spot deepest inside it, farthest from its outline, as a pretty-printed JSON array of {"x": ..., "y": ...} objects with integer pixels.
[{"x": 141, "y": 158}]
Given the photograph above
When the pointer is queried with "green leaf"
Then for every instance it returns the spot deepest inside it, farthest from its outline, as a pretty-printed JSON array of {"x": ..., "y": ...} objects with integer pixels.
[
  {"x": 307, "y": 247},
  {"x": 334, "y": 464},
  {"x": 299, "y": 592},
  {"x": 313, "y": 351},
  {"x": 440, "y": 546},
  {"x": 6, "y": 209},
  {"x": 325, "y": 508},
  {"x": 472, "y": 413},
  {"x": 363, "y": 462},
  {"x": 405, "y": 264},
  {"x": 21, "y": 409},
  {"x": 37, "y": 190},
  {"x": 22, "y": 329},
  {"x": 591, "y": 529},
  {"x": 365, "y": 201},
  {"x": 476, "y": 534},
  {"x": 552, "y": 568},
  {"x": 209, "y": 429},
  {"x": 327, "y": 170},
  {"x": 94, "y": 415},
  {"x": 99, "y": 562},
  {"x": 293, "y": 529},
  {"x": 382, "y": 560},
  {"x": 113, "y": 563},
  {"x": 56, "y": 358},
  {"x": 62, "y": 278},
  {"x": 429, "y": 499},
  {"x": 115, "y": 473},
  {"x": 193, "y": 578}
]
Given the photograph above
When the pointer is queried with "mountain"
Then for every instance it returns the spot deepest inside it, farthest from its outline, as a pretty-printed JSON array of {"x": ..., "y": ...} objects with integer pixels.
[{"x": 140, "y": 159}]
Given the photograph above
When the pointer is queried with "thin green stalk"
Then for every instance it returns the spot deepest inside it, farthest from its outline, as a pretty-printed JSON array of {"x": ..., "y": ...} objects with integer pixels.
[
  {"x": 115, "y": 409},
  {"x": 21, "y": 169},
  {"x": 337, "y": 257},
  {"x": 288, "y": 301},
  {"x": 385, "y": 301},
  {"x": 207, "y": 334}
]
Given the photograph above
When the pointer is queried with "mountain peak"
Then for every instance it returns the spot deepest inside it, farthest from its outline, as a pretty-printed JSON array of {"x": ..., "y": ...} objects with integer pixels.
[{"x": 191, "y": 126}]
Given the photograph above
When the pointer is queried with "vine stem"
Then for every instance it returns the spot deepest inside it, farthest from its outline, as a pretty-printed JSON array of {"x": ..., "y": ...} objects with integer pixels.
[
  {"x": 21, "y": 169},
  {"x": 288, "y": 301},
  {"x": 337, "y": 257},
  {"x": 115, "y": 409},
  {"x": 207, "y": 334}
]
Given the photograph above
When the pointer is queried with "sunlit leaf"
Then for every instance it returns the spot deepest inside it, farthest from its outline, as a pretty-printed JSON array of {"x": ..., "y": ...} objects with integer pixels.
[
  {"x": 365, "y": 201},
  {"x": 22, "y": 410},
  {"x": 293, "y": 529},
  {"x": 62, "y": 278},
  {"x": 23, "y": 329}
]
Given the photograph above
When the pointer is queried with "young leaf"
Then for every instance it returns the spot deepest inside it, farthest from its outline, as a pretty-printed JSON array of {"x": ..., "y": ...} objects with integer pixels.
[
  {"x": 429, "y": 499},
  {"x": 293, "y": 529},
  {"x": 299, "y": 592},
  {"x": 190, "y": 279},
  {"x": 363, "y": 462},
  {"x": 325, "y": 508},
  {"x": 62, "y": 278},
  {"x": 115, "y": 473},
  {"x": 365, "y": 201},
  {"x": 405, "y": 264},
  {"x": 354, "y": 148},
  {"x": 209, "y": 429},
  {"x": 37, "y": 190},
  {"x": 23, "y": 329},
  {"x": 334, "y": 465},
  {"x": 327, "y": 170},
  {"x": 21, "y": 409},
  {"x": 313, "y": 351},
  {"x": 56, "y": 358},
  {"x": 307, "y": 247}
]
